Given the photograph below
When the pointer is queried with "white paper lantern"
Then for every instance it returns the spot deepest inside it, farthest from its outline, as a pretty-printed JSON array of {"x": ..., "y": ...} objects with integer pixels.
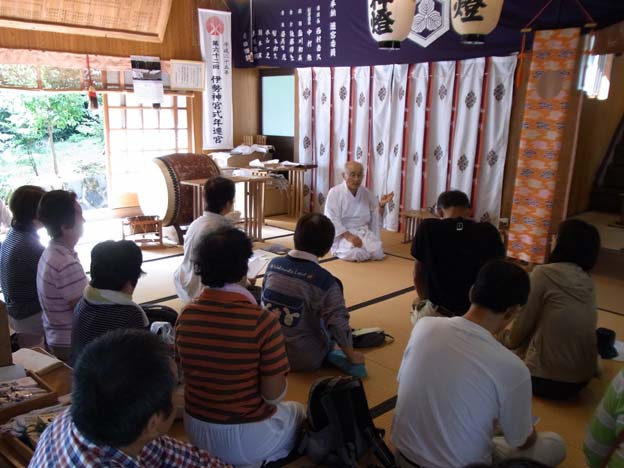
[
  {"x": 473, "y": 19},
  {"x": 390, "y": 21}
]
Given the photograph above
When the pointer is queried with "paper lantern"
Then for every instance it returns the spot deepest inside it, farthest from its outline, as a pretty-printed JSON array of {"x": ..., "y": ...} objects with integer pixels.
[
  {"x": 390, "y": 21},
  {"x": 473, "y": 19}
]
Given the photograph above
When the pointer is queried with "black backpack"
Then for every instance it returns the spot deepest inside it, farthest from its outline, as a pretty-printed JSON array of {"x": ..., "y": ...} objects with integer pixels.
[{"x": 339, "y": 429}]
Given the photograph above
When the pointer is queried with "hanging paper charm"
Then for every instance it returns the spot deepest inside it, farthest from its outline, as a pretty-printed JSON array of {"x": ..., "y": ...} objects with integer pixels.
[
  {"x": 473, "y": 19},
  {"x": 390, "y": 21}
]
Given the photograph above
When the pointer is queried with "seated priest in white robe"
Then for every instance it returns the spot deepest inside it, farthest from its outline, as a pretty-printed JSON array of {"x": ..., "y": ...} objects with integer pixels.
[{"x": 356, "y": 214}]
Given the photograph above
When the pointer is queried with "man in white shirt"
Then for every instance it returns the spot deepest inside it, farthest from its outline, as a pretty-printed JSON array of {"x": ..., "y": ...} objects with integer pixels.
[
  {"x": 355, "y": 213},
  {"x": 458, "y": 384},
  {"x": 219, "y": 195}
]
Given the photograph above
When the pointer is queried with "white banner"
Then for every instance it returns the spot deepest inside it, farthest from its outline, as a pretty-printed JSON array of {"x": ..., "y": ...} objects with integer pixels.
[
  {"x": 415, "y": 136},
  {"x": 495, "y": 138},
  {"x": 342, "y": 98},
  {"x": 360, "y": 115},
  {"x": 439, "y": 130},
  {"x": 322, "y": 130},
  {"x": 304, "y": 96},
  {"x": 215, "y": 31},
  {"x": 395, "y": 150},
  {"x": 382, "y": 119},
  {"x": 466, "y": 134}
]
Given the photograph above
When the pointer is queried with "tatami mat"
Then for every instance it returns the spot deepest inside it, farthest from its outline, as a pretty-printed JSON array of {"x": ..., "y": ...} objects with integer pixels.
[
  {"x": 157, "y": 283},
  {"x": 609, "y": 293},
  {"x": 393, "y": 317},
  {"x": 371, "y": 280}
]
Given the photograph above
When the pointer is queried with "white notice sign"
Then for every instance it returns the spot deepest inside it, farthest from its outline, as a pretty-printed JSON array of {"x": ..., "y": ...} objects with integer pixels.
[{"x": 187, "y": 75}]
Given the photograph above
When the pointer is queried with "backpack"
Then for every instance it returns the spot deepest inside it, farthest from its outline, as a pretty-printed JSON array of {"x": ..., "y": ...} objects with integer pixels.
[{"x": 339, "y": 429}]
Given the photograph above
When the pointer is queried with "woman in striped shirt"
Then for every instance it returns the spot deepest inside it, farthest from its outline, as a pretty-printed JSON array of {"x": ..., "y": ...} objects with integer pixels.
[{"x": 234, "y": 360}]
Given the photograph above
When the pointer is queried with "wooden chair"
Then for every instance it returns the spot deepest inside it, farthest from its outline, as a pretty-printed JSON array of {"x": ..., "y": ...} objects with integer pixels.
[
  {"x": 145, "y": 231},
  {"x": 411, "y": 220}
]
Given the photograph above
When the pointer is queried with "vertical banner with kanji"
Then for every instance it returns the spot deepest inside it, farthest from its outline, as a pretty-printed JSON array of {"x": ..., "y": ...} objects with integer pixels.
[{"x": 215, "y": 31}]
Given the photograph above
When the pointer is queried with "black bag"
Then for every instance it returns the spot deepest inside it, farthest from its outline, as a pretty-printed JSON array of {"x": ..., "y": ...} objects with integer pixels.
[
  {"x": 339, "y": 429},
  {"x": 369, "y": 337},
  {"x": 160, "y": 313}
]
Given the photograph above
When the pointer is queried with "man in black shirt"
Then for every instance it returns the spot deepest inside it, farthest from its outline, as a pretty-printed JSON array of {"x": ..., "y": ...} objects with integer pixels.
[{"x": 449, "y": 253}]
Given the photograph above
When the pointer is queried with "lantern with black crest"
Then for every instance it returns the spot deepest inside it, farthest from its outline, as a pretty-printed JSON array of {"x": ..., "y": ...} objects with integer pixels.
[
  {"x": 474, "y": 19},
  {"x": 390, "y": 21}
]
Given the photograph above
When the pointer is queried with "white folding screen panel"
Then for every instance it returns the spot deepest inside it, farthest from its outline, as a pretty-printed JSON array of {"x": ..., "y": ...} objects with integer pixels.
[
  {"x": 322, "y": 131},
  {"x": 395, "y": 149},
  {"x": 495, "y": 138},
  {"x": 304, "y": 96},
  {"x": 464, "y": 151},
  {"x": 382, "y": 119},
  {"x": 439, "y": 130},
  {"x": 342, "y": 94},
  {"x": 361, "y": 115},
  {"x": 416, "y": 135}
]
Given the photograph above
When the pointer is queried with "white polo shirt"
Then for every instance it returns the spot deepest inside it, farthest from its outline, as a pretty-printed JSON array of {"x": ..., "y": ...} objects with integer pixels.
[{"x": 455, "y": 382}]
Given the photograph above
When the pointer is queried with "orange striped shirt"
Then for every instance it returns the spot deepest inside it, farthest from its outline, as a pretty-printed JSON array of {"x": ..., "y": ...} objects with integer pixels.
[{"x": 225, "y": 346}]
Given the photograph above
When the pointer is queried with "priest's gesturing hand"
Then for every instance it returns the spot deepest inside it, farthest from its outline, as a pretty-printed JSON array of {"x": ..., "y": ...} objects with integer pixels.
[{"x": 384, "y": 200}]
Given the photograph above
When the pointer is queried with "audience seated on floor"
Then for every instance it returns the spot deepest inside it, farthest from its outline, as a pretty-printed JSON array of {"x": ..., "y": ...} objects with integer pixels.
[
  {"x": 60, "y": 277},
  {"x": 605, "y": 433},
  {"x": 456, "y": 381},
  {"x": 107, "y": 301},
  {"x": 356, "y": 214},
  {"x": 233, "y": 356},
  {"x": 122, "y": 408},
  {"x": 309, "y": 303},
  {"x": 219, "y": 195},
  {"x": 19, "y": 256},
  {"x": 556, "y": 332},
  {"x": 448, "y": 254}
]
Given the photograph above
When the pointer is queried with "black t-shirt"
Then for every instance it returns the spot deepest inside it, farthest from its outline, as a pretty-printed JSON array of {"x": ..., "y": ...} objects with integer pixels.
[{"x": 452, "y": 251}]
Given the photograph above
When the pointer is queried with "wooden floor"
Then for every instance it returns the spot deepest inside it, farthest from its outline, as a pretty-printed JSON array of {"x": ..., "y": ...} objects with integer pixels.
[{"x": 379, "y": 294}]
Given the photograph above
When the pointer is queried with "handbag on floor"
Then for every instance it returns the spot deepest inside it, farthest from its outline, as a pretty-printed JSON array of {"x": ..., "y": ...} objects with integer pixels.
[
  {"x": 160, "y": 313},
  {"x": 339, "y": 429},
  {"x": 370, "y": 337}
]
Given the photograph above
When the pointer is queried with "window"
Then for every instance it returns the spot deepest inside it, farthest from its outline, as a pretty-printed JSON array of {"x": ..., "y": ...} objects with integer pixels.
[
  {"x": 278, "y": 105},
  {"x": 136, "y": 134},
  {"x": 277, "y": 110}
]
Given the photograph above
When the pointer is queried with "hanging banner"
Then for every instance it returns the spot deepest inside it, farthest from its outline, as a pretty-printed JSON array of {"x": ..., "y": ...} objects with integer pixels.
[
  {"x": 546, "y": 110},
  {"x": 361, "y": 116},
  {"x": 304, "y": 96},
  {"x": 495, "y": 138},
  {"x": 416, "y": 135},
  {"x": 439, "y": 130},
  {"x": 215, "y": 40},
  {"x": 382, "y": 120},
  {"x": 342, "y": 98},
  {"x": 464, "y": 150},
  {"x": 322, "y": 135},
  {"x": 395, "y": 149},
  {"x": 306, "y": 33}
]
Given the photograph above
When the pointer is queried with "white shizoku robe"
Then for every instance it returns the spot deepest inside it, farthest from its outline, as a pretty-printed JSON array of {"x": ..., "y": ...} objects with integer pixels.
[{"x": 359, "y": 215}]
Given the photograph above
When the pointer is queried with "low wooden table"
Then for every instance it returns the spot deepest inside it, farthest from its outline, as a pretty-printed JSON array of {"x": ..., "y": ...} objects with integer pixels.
[{"x": 254, "y": 201}]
